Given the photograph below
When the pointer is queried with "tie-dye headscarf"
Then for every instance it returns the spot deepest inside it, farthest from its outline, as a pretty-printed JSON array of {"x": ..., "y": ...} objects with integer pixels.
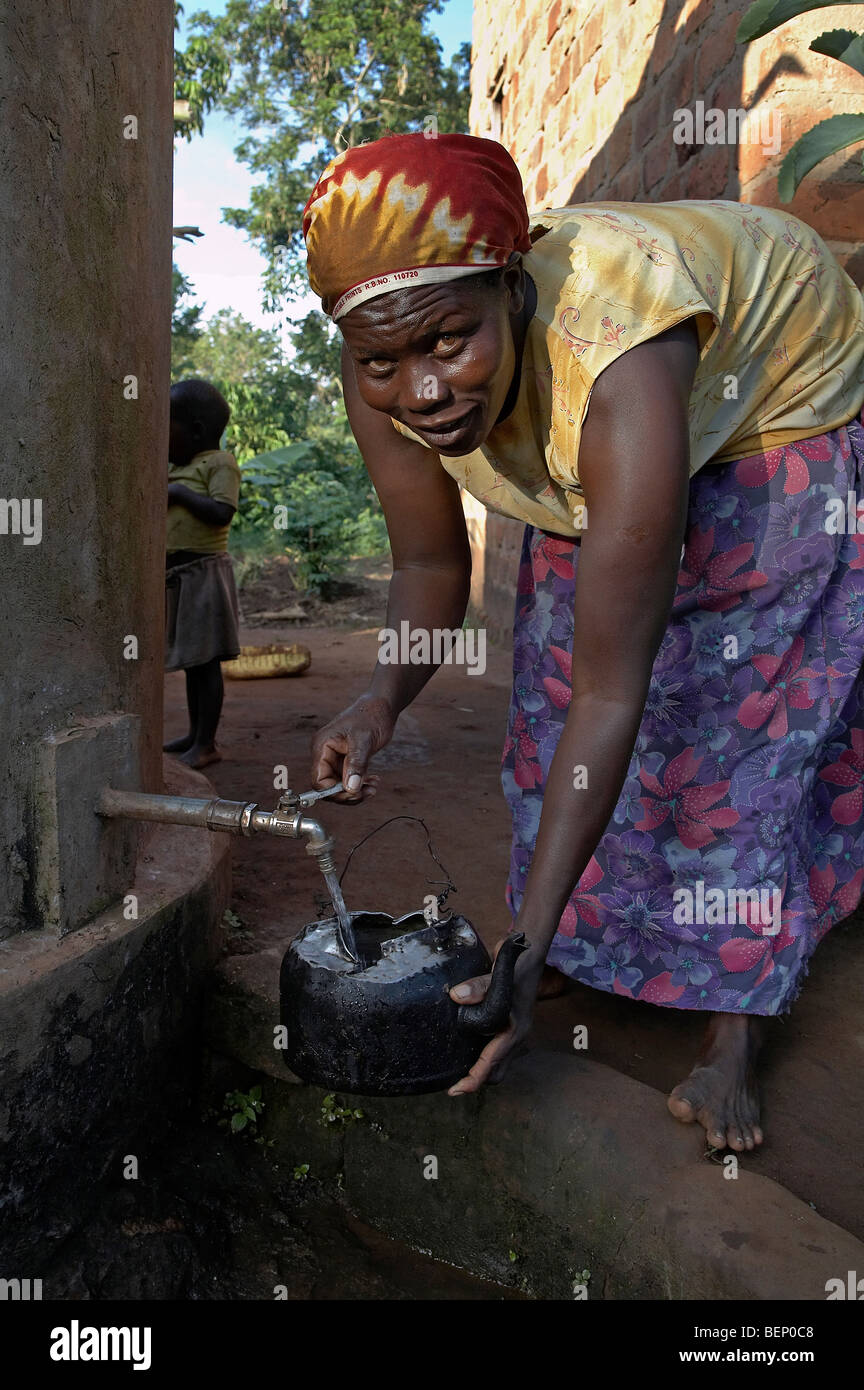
[{"x": 411, "y": 210}]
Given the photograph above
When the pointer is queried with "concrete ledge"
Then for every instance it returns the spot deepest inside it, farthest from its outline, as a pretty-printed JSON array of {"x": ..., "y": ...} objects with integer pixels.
[
  {"x": 242, "y": 1012},
  {"x": 100, "y": 1034},
  {"x": 569, "y": 1164}
]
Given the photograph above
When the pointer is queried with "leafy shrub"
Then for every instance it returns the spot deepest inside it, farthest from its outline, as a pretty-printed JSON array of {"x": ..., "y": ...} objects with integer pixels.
[{"x": 291, "y": 502}]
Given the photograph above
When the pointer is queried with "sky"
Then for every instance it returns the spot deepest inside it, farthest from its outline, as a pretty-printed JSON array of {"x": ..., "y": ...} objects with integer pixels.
[{"x": 223, "y": 265}]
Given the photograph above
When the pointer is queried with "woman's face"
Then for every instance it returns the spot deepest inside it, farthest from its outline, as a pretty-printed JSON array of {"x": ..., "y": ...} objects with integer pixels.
[{"x": 439, "y": 358}]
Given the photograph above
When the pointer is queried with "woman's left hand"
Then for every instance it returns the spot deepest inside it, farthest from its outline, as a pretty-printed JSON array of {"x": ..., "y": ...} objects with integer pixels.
[{"x": 497, "y": 1055}]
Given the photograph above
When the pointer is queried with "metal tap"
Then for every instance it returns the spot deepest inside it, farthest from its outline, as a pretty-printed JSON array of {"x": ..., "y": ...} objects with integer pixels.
[
  {"x": 244, "y": 818},
  {"x": 234, "y": 817},
  {"x": 288, "y": 819}
]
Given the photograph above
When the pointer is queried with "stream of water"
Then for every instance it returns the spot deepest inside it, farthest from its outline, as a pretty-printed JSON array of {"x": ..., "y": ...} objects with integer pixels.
[{"x": 346, "y": 932}]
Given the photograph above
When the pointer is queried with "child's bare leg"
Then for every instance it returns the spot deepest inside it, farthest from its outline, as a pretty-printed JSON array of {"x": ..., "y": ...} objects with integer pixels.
[
  {"x": 181, "y": 745},
  {"x": 207, "y": 691}
]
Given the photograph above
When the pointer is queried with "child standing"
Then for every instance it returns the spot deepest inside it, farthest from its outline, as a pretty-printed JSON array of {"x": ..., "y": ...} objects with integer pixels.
[{"x": 201, "y": 614}]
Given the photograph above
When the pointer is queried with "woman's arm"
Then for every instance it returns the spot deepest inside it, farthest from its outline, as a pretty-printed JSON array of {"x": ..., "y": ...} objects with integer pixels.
[
  {"x": 428, "y": 536},
  {"x": 429, "y": 587},
  {"x": 634, "y": 469}
]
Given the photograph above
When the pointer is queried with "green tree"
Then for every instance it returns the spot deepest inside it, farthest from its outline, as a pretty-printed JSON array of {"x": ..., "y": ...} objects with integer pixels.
[
  {"x": 201, "y": 72},
  {"x": 310, "y": 78},
  {"x": 290, "y": 435},
  {"x": 230, "y": 349},
  {"x": 185, "y": 324},
  {"x": 267, "y": 397},
  {"x": 274, "y": 397}
]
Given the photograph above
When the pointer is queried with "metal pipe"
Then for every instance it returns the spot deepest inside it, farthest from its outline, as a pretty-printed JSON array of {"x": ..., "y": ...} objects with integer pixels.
[
  {"x": 240, "y": 817},
  {"x": 237, "y": 817},
  {"x": 212, "y": 813}
]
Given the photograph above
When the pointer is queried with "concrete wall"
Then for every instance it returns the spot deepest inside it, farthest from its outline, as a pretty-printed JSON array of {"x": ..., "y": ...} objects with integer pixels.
[
  {"x": 85, "y": 222},
  {"x": 100, "y": 1038},
  {"x": 586, "y": 100}
]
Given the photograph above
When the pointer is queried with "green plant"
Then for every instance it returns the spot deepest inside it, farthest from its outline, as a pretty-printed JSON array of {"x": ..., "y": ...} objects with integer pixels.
[
  {"x": 301, "y": 1172},
  {"x": 263, "y": 476},
  {"x": 334, "y": 1114},
  {"x": 313, "y": 513},
  {"x": 317, "y": 529},
  {"x": 241, "y": 1110},
  {"x": 836, "y": 132}
]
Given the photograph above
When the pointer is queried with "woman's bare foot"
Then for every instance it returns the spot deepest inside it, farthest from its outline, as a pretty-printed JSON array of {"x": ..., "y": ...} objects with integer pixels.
[
  {"x": 552, "y": 983},
  {"x": 721, "y": 1093},
  {"x": 197, "y": 756},
  {"x": 179, "y": 745}
]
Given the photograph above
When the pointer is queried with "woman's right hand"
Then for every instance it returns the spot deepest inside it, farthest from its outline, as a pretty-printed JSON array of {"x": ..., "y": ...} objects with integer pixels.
[
  {"x": 497, "y": 1055},
  {"x": 342, "y": 749}
]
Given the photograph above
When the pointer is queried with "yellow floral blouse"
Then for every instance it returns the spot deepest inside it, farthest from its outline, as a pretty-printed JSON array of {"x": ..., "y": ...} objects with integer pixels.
[{"x": 780, "y": 325}]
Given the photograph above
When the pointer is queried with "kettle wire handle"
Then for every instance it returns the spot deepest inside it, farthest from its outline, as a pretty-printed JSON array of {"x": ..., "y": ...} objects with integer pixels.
[{"x": 450, "y": 885}]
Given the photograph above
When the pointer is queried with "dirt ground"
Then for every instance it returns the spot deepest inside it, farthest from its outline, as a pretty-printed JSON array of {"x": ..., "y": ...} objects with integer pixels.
[
  {"x": 357, "y": 598},
  {"x": 443, "y": 766}
]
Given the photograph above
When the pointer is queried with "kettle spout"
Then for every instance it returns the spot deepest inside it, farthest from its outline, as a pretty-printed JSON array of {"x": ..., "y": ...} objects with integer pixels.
[{"x": 492, "y": 1014}]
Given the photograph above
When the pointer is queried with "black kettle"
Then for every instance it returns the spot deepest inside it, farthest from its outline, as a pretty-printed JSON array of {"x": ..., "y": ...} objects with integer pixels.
[{"x": 384, "y": 1023}]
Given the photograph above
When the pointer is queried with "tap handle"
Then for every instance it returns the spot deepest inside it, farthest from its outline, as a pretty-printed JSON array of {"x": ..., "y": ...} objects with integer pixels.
[
  {"x": 301, "y": 801},
  {"x": 308, "y": 799}
]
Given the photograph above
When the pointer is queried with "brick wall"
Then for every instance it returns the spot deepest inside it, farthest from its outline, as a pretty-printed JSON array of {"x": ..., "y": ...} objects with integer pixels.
[
  {"x": 584, "y": 94},
  {"x": 496, "y": 544},
  {"x": 588, "y": 93}
]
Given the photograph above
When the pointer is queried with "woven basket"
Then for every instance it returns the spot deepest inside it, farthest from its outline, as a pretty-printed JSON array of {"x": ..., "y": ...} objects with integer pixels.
[{"x": 255, "y": 663}]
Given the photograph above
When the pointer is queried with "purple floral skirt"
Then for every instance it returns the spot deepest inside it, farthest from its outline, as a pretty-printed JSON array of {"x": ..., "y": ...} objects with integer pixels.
[{"x": 738, "y": 838}]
